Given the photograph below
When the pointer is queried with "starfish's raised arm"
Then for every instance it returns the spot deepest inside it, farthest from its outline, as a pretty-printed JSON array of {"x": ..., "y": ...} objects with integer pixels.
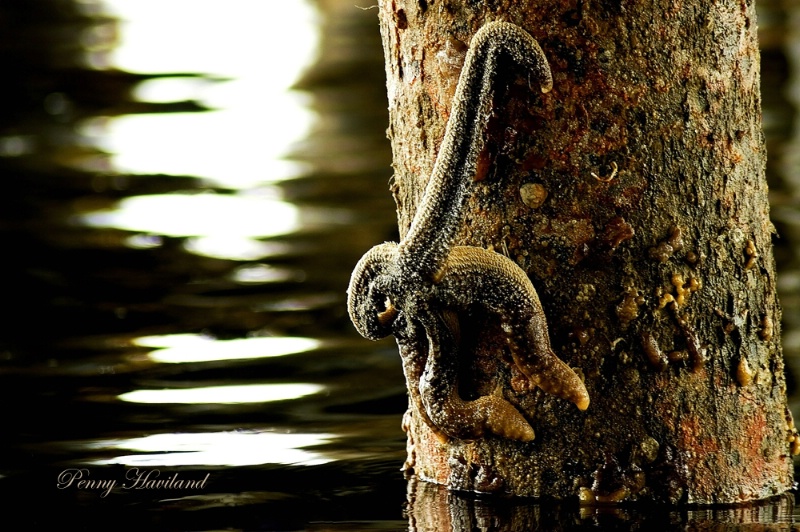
[{"x": 441, "y": 211}]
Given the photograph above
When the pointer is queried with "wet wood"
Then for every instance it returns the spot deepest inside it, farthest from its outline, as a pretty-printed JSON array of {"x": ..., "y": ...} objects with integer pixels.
[{"x": 633, "y": 195}]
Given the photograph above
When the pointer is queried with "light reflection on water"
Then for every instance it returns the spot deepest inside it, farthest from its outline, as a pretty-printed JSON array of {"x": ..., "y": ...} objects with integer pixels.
[
  {"x": 255, "y": 119},
  {"x": 237, "y": 448},
  {"x": 264, "y": 273},
  {"x": 232, "y": 247},
  {"x": 183, "y": 348},
  {"x": 232, "y": 394},
  {"x": 213, "y": 215},
  {"x": 226, "y": 226}
]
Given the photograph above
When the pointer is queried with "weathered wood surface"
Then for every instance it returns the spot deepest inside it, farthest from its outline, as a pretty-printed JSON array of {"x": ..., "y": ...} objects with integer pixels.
[{"x": 633, "y": 195}]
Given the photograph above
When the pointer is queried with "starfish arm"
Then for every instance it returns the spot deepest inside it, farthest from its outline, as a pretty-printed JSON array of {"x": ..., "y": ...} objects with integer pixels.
[
  {"x": 476, "y": 276},
  {"x": 372, "y": 290},
  {"x": 424, "y": 249},
  {"x": 466, "y": 420},
  {"x": 413, "y": 354}
]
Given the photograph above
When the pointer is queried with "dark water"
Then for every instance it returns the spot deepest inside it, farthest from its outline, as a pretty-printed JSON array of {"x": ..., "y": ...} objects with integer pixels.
[{"x": 175, "y": 250}]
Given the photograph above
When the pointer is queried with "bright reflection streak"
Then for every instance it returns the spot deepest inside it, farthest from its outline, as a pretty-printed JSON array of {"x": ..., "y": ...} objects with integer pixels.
[
  {"x": 184, "y": 348},
  {"x": 208, "y": 215},
  {"x": 144, "y": 241},
  {"x": 262, "y": 273},
  {"x": 166, "y": 90},
  {"x": 243, "y": 393},
  {"x": 229, "y": 247},
  {"x": 233, "y": 149},
  {"x": 218, "y": 448},
  {"x": 224, "y": 226},
  {"x": 173, "y": 340},
  {"x": 262, "y": 47}
]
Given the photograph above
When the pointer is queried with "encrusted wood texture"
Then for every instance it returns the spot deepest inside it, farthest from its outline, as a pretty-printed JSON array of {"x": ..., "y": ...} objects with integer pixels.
[{"x": 633, "y": 195}]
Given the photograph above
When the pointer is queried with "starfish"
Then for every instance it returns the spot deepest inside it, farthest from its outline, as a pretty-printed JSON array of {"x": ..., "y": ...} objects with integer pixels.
[{"x": 416, "y": 289}]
